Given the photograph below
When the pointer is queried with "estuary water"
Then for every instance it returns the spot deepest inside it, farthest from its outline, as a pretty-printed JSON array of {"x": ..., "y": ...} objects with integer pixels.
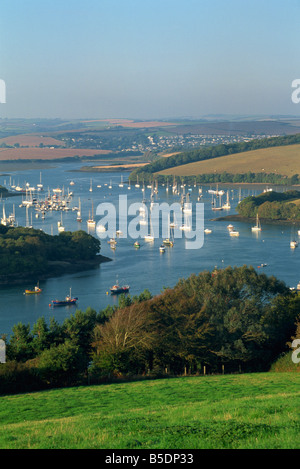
[{"x": 143, "y": 268}]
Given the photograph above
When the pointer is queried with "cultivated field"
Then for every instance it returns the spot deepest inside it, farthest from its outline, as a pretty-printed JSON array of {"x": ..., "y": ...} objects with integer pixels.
[
  {"x": 249, "y": 411},
  {"x": 12, "y": 154},
  {"x": 31, "y": 140},
  {"x": 130, "y": 123},
  {"x": 284, "y": 160}
]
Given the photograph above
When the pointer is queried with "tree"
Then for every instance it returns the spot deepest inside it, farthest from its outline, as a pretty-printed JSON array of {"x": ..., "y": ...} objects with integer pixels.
[
  {"x": 61, "y": 365},
  {"x": 20, "y": 344},
  {"x": 120, "y": 343}
]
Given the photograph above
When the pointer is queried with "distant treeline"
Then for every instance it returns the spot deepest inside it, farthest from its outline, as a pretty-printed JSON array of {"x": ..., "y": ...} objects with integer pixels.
[
  {"x": 225, "y": 177},
  {"x": 271, "y": 205},
  {"x": 205, "y": 153},
  {"x": 27, "y": 252},
  {"x": 231, "y": 319}
]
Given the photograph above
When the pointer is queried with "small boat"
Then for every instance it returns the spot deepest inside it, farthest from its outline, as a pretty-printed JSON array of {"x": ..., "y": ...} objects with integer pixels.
[
  {"x": 230, "y": 227},
  {"x": 137, "y": 245},
  {"x": 101, "y": 228},
  {"x": 207, "y": 230},
  {"x": 262, "y": 265},
  {"x": 168, "y": 242},
  {"x": 162, "y": 248},
  {"x": 234, "y": 233},
  {"x": 66, "y": 302},
  {"x": 35, "y": 291},
  {"x": 117, "y": 289},
  {"x": 293, "y": 244}
]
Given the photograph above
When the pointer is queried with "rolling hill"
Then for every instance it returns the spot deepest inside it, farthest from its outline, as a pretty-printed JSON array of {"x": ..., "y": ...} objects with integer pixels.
[{"x": 284, "y": 160}]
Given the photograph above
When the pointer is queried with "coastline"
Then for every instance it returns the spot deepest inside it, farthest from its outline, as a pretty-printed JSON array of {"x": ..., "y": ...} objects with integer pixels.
[
  {"x": 251, "y": 220},
  {"x": 55, "y": 269}
]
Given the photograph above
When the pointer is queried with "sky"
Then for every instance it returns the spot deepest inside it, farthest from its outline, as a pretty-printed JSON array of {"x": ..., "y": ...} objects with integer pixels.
[{"x": 148, "y": 59}]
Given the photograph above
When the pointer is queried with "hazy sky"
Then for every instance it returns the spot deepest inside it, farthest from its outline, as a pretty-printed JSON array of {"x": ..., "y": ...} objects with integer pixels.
[{"x": 148, "y": 58}]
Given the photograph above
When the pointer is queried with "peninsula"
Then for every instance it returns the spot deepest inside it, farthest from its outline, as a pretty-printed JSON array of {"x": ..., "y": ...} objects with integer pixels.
[{"x": 27, "y": 254}]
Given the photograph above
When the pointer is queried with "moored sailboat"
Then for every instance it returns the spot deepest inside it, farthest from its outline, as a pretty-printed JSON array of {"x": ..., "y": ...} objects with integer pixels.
[{"x": 257, "y": 227}]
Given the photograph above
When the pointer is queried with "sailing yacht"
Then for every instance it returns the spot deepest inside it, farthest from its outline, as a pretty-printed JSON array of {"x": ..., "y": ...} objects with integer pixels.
[
  {"x": 91, "y": 223},
  {"x": 4, "y": 220},
  {"x": 293, "y": 242},
  {"x": 150, "y": 236},
  {"x": 60, "y": 225},
  {"x": 169, "y": 241},
  {"x": 187, "y": 206},
  {"x": 257, "y": 227},
  {"x": 79, "y": 219},
  {"x": 227, "y": 205},
  {"x": 40, "y": 185}
]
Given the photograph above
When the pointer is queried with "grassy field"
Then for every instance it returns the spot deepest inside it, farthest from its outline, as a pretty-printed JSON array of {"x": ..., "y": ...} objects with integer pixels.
[
  {"x": 284, "y": 160},
  {"x": 258, "y": 410}
]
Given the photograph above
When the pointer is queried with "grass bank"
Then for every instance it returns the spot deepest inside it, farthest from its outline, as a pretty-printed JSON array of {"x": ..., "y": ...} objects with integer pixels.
[{"x": 206, "y": 412}]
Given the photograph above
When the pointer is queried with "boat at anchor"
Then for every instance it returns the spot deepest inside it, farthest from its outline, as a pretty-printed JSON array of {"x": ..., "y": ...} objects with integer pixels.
[
  {"x": 66, "y": 302},
  {"x": 117, "y": 289},
  {"x": 35, "y": 291}
]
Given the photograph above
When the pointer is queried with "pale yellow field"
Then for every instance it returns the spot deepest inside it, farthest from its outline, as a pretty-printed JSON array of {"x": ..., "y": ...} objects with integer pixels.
[{"x": 284, "y": 160}]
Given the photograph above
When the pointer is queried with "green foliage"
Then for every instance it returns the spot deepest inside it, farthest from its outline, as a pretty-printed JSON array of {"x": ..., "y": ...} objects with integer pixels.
[
  {"x": 28, "y": 250},
  {"x": 272, "y": 205},
  {"x": 231, "y": 317},
  {"x": 61, "y": 365}
]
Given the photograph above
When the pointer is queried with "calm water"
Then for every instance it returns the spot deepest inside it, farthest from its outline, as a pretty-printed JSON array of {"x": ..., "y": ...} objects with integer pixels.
[{"x": 143, "y": 268}]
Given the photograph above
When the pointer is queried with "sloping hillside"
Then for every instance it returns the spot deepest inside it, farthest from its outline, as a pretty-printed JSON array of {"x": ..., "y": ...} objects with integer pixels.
[{"x": 284, "y": 160}]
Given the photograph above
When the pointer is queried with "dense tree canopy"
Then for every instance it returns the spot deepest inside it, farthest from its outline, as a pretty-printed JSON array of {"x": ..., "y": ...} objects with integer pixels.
[
  {"x": 272, "y": 205},
  {"x": 233, "y": 318},
  {"x": 29, "y": 250}
]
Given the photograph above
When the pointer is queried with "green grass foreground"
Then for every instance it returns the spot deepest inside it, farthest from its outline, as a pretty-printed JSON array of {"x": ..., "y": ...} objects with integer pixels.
[{"x": 259, "y": 410}]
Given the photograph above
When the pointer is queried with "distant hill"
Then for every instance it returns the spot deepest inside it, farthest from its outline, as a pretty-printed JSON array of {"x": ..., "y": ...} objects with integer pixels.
[
  {"x": 284, "y": 160},
  {"x": 275, "y": 157}
]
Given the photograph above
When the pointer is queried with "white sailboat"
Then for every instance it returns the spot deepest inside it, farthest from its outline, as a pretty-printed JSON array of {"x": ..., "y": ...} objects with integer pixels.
[
  {"x": 4, "y": 220},
  {"x": 40, "y": 185},
  {"x": 91, "y": 223},
  {"x": 257, "y": 227},
  {"x": 60, "y": 225},
  {"x": 150, "y": 237},
  {"x": 227, "y": 205},
  {"x": 79, "y": 219},
  {"x": 293, "y": 242},
  {"x": 169, "y": 241}
]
